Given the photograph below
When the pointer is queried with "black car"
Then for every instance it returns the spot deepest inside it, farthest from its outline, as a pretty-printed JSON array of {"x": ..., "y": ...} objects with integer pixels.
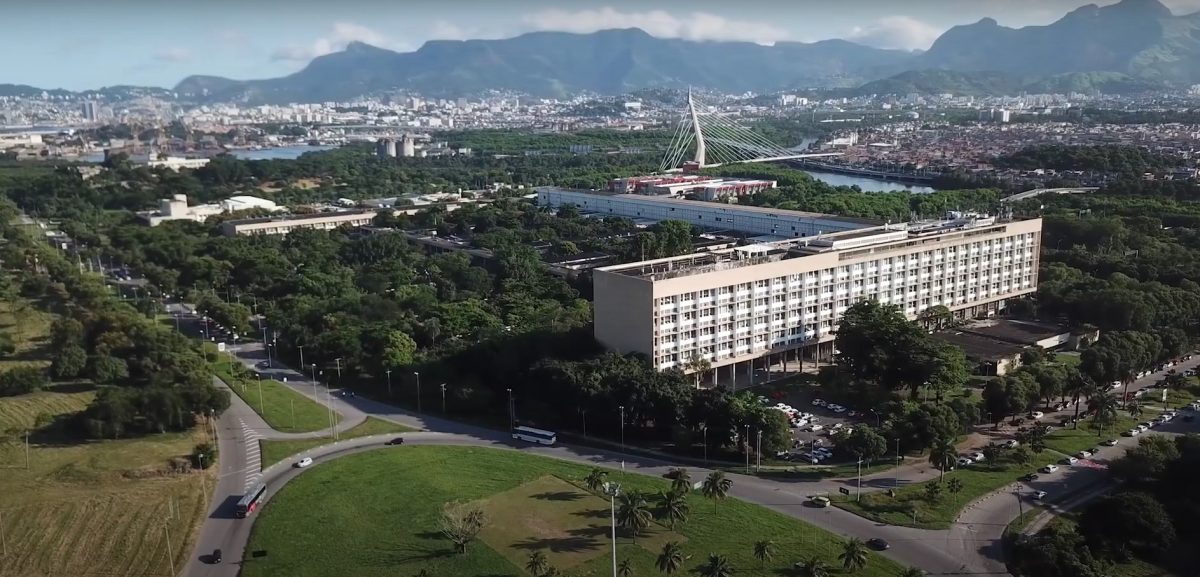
[
  {"x": 878, "y": 544},
  {"x": 396, "y": 441},
  {"x": 1030, "y": 477},
  {"x": 216, "y": 556}
]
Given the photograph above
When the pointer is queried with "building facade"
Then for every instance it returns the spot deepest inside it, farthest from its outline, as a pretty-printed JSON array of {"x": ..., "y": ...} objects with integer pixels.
[
  {"x": 286, "y": 224},
  {"x": 734, "y": 307},
  {"x": 752, "y": 220}
]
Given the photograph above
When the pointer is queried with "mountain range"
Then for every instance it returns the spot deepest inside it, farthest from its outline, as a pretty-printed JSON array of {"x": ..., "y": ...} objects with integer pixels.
[{"x": 1131, "y": 46}]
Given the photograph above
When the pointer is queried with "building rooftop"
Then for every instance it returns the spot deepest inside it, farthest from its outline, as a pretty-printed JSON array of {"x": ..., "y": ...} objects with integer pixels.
[
  {"x": 980, "y": 348},
  {"x": 299, "y": 217},
  {"x": 1026, "y": 333}
]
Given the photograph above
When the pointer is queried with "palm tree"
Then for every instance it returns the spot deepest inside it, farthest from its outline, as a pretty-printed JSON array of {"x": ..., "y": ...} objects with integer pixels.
[
  {"x": 537, "y": 565},
  {"x": 633, "y": 513},
  {"x": 954, "y": 485},
  {"x": 943, "y": 455},
  {"x": 595, "y": 479},
  {"x": 1134, "y": 408},
  {"x": 763, "y": 551},
  {"x": 854, "y": 555},
  {"x": 716, "y": 485},
  {"x": 682, "y": 481},
  {"x": 1104, "y": 404},
  {"x": 625, "y": 568},
  {"x": 674, "y": 507},
  {"x": 670, "y": 559},
  {"x": 813, "y": 567},
  {"x": 1077, "y": 384},
  {"x": 717, "y": 566},
  {"x": 912, "y": 572}
]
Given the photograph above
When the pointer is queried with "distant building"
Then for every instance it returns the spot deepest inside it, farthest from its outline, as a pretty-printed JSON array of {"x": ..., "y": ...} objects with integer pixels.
[
  {"x": 88, "y": 110},
  {"x": 173, "y": 162},
  {"x": 408, "y": 146},
  {"x": 286, "y": 224},
  {"x": 176, "y": 208},
  {"x": 385, "y": 148},
  {"x": 246, "y": 202}
]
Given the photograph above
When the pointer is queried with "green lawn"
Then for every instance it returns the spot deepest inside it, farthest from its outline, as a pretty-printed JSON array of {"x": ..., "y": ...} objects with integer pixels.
[
  {"x": 282, "y": 408},
  {"x": 29, "y": 327},
  {"x": 376, "y": 514},
  {"x": 275, "y": 451},
  {"x": 1069, "y": 441}
]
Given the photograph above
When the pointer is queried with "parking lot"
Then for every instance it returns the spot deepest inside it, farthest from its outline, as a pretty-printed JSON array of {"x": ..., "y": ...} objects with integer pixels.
[{"x": 815, "y": 425}]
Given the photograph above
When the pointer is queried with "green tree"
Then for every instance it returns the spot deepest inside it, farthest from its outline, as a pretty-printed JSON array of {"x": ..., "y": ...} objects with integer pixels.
[
  {"x": 1021, "y": 456},
  {"x": 954, "y": 486},
  {"x": 625, "y": 568},
  {"x": 943, "y": 455},
  {"x": 633, "y": 513},
  {"x": 717, "y": 566},
  {"x": 537, "y": 564},
  {"x": 1134, "y": 409},
  {"x": 716, "y": 485},
  {"x": 813, "y": 567},
  {"x": 764, "y": 550},
  {"x": 7, "y": 346},
  {"x": 1104, "y": 406},
  {"x": 462, "y": 523},
  {"x": 670, "y": 559},
  {"x": 681, "y": 481},
  {"x": 992, "y": 454},
  {"x": 1128, "y": 523},
  {"x": 68, "y": 361},
  {"x": 595, "y": 479},
  {"x": 853, "y": 555},
  {"x": 674, "y": 507},
  {"x": 933, "y": 491}
]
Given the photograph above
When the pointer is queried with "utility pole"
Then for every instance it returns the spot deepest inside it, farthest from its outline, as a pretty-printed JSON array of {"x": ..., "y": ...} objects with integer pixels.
[
  {"x": 3, "y": 541},
  {"x": 511, "y": 412},
  {"x": 389, "y": 379},
  {"x": 858, "y": 494},
  {"x": 301, "y": 347},
  {"x": 443, "y": 398},
  {"x": 262, "y": 406},
  {"x": 704, "y": 432},
  {"x": 417, "y": 375},
  {"x": 758, "y": 452},
  {"x": 746, "y": 442},
  {"x": 622, "y": 408},
  {"x": 613, "y": 489},
  {"x": 338, "y": 364},
  {"x": 583, "y": 414}
]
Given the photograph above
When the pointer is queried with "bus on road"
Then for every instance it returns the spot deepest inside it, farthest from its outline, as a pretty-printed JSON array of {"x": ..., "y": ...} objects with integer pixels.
[
  {"x": 533, "y": 435},
  {"x": 250, "y": 501}
]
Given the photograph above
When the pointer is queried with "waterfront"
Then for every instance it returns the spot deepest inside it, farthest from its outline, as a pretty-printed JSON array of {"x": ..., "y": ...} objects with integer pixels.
[
  {"x": 278, "y": 153},
  {"x": 867, "y": 184}
]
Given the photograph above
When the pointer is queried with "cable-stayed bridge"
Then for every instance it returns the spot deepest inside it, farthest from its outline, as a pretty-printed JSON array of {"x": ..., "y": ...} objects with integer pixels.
[{"x": 712, "y": 140}]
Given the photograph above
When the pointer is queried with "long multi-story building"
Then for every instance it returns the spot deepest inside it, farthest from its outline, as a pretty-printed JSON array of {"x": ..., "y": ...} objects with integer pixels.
[
  {"x": 288, "y": 223},
  {"x": 736, "y": 306},
  {"x": 753, "y": 220}
]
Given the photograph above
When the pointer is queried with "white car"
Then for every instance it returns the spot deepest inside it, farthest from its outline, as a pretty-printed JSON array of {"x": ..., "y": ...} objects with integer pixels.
[
  {"x": 1111, "y": 443},
  {"x": 1069, "y": 461},
  {"x": 963, "y": 461},
  {"x": 839, "y": 409},
  {"x": 1049, "y": 469},
  {"x": 1012, "y": 443},
  {"x": 977, "y": 457},
  {"x": 1036, "y": 415},
  {"x": 816, "y": 428},
  {"x": 1133, "y": 432},
  {"x": 302, "y": 463},
  {"x": 837, "y": 425},
  {"x": 818, "y": 402},
  {"x": 1084, "y": 454},
  {"x": 1039, "y": 495}
]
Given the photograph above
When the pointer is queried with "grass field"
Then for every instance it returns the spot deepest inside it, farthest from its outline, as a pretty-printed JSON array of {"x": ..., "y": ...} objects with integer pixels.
[
  {"x": 282, "y": 408},
  {"x": 275, "y": 451},
  {"x": 977, "y": 480},
  {"x": 29, "y": 328},
  {"x": 376, "y": 514},
  {"x": 93, "y": 508}
]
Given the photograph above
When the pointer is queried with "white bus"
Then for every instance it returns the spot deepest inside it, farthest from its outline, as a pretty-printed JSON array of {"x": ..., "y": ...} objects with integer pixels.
[{"x": 533, "y": 435}]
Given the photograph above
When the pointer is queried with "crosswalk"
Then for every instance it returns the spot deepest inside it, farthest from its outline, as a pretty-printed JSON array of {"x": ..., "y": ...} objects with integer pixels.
[{"x": 253, "y": 468}]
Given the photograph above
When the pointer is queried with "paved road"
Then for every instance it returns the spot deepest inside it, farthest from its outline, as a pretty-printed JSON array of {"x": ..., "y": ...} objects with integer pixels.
[{"x": 972, "y": 546}]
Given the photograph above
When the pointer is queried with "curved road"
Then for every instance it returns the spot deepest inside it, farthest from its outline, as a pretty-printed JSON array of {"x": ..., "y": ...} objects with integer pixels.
[{"x": 971, "y": 546}]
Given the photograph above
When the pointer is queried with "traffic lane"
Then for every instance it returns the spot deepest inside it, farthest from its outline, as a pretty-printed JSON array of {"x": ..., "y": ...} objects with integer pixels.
[{"x": 215, "y": 531}]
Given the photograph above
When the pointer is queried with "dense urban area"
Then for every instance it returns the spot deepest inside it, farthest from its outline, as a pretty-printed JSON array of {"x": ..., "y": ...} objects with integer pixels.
[{"x": 886, "y": 331}]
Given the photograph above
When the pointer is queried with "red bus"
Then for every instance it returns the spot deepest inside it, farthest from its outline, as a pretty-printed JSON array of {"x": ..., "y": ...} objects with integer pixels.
[{"x": 250, "y": 501}]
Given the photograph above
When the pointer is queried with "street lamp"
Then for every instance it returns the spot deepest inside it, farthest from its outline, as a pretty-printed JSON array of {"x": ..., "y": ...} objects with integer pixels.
[
  {"x": 746, "y": 442},
  {"x": 876, "y": 417},
  {"x": 622, "y": 408},
  {"x": 389, "y": 379},
  {"x": 612, "y": 490},
  {"x": 443, "y": 398},
  {"x": 301, "y": 347},
  {"x": 704, "y": 432},
  {"x": 511, "y": 412},
  {"x": 758, "y": 453},
  {"x": 418, "y": 377}
]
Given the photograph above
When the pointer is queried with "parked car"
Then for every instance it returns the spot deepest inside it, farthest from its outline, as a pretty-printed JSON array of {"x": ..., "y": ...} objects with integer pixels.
[
  {"x": 1049, "y": 469},
  {"x": 1069, "y": 460},
  {"x": 977, "y": 457},
  {"x": 302, "y": 463},
  {"x": 1036, "y": 415},
  {"x": 1029, "y": 477},
  {"x": 1012, "y": 443},
  {"x": 396, "y": 441},
  {"x": 1111, "y": 443},
  {"x": 215, "y": 557},
  {"x": 820, "y": 501},
  {"x": 1133, "y": 432},
  {"x": 1084, "y": 454},
  {"x": 817, "y": 427},
  {"x": 963, "y": 461},
  {"x": 1039, "y": 495},
  {"x": 818, "y": 403}
]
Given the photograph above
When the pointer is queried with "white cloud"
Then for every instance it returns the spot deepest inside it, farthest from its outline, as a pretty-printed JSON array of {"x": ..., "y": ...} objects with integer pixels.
[
  {"x": 895, "y": 32},
  {"x": 174, "y": 54},
  {"x": 233, "y": 36},
  {"x": 693, "y": 26},
  {"x": 339, "y": 36},
  {"x": 443, "y": 30}
]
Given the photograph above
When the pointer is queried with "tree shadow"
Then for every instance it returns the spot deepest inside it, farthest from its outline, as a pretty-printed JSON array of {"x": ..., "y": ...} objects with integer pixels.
[
  {"x": 558, "y": 496},
  {"x": 593, "y": 513},
  {"x": 559, "y": 544},
  {"x": 430, "y": 535},
  {"x": 590, "y": 531}
]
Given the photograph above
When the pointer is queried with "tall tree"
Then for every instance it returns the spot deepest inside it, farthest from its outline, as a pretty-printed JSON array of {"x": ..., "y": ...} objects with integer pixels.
[
  {"x": 674, "y": 507},
  {"x": 717, "y": 566},
  {"x": 537, "y": 564},
  {"x": 670, "y": 559},
  {"x": 633, "y": 513},
  {"x": 764, "y": 550},
  {"x": 943, "y": 455},
  {"x": 853, "y": 555},
  {"x": 813, "y": 567},
  {"x": 595, "y": 479},
  {"x": 716, "y": 485}
]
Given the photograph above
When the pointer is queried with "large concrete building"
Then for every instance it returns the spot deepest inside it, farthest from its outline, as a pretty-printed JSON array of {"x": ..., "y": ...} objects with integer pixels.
[
  {"x": 286, "y": 224},
  {"x": 785, "y": 298},
  {"x": 752, "y": 220}
]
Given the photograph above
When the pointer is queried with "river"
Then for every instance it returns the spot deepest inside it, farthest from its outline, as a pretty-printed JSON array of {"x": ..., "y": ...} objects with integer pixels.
[{"x": 867, "y": 184}]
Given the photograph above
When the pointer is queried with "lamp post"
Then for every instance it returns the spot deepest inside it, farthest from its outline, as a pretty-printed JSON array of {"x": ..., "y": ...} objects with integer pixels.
[
  {"x": 858, "y": 494},
  {"x": 583, "y": 415},
  {"x": 746, "y": 442},
  {"x": 301, "y": 348},
  {"x": 314, "y": 381},
  {"x": 389, "y": 379},
  {"x": 876, "y": 417},
  {"x": 511, "y": 413},
  {"x": 612, "y": 490},
  {"x": 443, "y": 398},
  {"x": 704, "y": 433},
  {"x": 622, "y": 408},
  {"x": 418, "y": 377},
  {"x": 758, "y": 453}
]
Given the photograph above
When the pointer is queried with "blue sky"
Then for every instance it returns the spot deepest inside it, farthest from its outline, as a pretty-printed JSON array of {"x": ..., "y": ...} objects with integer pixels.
[{"x": 79, "y": 44}]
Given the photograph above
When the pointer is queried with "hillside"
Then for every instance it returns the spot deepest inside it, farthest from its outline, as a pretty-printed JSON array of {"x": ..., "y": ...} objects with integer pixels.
[{"x": 1001, "y": 83}]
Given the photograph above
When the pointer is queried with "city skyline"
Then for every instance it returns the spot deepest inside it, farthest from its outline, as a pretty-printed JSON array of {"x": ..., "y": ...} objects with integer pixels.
[{"x": 158, "y": 44}]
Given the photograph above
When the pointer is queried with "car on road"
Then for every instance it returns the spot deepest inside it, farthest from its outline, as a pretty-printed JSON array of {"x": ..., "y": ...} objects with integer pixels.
[
  {"x": 964, "y": 461},
  {"x": 1039, "y": 495},
  {"x": 1030, "y": 477},
  {"x": 1084, "y": 454},
  {"x": 1012, "y": 443},
  {"x": 977, "y": 457},
  {"x": 1049, "y": 469},
  {"x": 820, "y": 501},
  {"x": 1069, "y": 460},
  {"x": 1036, "y": 415},
  {"x": 215, "y": 557},
  {"x": 878, "y": 544},
  {"x": 818, "y": 403},
  {"x": 1133, "y": 432},
  {"x": 817, "y": 427},
  {"x": 1111, "y": 443},
  {"x": 347, "y": 394},
  {"x": 263, "y": 364},
  {"x": 396, "y": 441},
  {"x": 302, "y": 463}
]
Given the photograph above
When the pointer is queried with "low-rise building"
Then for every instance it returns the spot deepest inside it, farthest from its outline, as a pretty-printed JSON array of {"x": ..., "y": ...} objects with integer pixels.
[
  {"x": 176, "y": 208},
  {"x": 288, "y": 223}
]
